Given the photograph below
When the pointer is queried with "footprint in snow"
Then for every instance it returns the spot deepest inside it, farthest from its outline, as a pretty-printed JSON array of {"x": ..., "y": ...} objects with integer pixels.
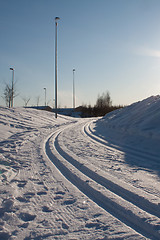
[
  {"x": 97, "y": 215},
  {"x": 46, "y": 209},
  {"x": 29, "y": 195},
  {"x": 22, "y": 183},
  {"x": 60, "y": 192},
  {"x": 93, "y": 225},
  {"x": 26, "y": 217},
  {"x": 58, "y": 197},
  {"x": 24, "y": 225},
  {"x": 69, "y": 201},
  {"x": 64, "y": 225},
  {"x": 26, "y": 197},
  {"x": 41, "y": 193},
  {"x": 7, "y": 204},
  {"x": 22, "y": 199}
]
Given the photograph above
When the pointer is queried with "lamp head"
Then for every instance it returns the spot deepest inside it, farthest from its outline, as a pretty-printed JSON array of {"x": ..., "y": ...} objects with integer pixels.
[{"x": 56, "y": 19}]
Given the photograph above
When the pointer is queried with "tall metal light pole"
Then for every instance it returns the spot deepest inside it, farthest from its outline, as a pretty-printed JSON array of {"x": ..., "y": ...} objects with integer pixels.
[
  {"x": 12, "y": 91},
  {"x": 73, "y": 90},
  {"x": 56, "y": 22},
  {"x": 45, "y": 95}
]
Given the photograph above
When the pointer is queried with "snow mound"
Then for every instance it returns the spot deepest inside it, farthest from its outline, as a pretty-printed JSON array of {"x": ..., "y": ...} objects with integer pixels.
[
  {"x": 140, "y": 118},
  {"x": 18, "y": 120}
]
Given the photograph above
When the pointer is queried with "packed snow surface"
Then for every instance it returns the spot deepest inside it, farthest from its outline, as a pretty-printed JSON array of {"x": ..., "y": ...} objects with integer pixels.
[{"x": 71, "y": 178}]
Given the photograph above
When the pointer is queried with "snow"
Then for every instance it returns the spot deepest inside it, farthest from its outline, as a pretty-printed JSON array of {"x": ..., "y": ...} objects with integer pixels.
[{"x": 72, "y": 178}]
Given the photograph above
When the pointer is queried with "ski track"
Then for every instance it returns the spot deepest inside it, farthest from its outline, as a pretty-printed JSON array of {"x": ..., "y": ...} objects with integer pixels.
[
  {"x": 38, "y": 203},
  {"x": 122, "y": 203},
  {"x": 79, "y": 199},
  {"x": 138, "y": 155},
  {"x": 108, "y": 158}
]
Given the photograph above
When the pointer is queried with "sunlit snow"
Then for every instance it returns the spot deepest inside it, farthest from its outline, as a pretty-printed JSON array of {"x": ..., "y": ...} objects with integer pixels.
[{"x": 72, "y": 178}]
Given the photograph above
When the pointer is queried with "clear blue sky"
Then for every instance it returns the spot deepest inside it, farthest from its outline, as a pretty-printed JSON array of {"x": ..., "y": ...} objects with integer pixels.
[{"x": 113, "y": 45}]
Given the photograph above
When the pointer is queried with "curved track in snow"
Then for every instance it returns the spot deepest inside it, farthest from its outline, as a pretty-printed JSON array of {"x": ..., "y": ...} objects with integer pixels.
[{"x": 130, "y": 205}]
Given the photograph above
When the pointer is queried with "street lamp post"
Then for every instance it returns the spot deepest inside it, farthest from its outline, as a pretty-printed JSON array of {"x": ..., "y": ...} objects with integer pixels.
[
  {"x": 45, "y": 96},
  {"x": 12, "y": 90},
  {"x": 73, "y": 89},
  {"x": 56, "y": 23}
]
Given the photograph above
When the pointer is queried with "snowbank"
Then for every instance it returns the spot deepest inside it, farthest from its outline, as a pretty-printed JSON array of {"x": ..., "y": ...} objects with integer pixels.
[{"x": 140, "y": 118}]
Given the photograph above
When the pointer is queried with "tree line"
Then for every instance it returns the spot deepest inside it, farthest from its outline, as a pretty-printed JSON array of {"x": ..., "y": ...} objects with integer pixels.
[{"x": 102, "y": 107}]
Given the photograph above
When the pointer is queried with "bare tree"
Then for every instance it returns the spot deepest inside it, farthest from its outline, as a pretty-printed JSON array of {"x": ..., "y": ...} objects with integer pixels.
[
  {"x": 26, "y": 101},
  {"x": 8, "y": 95},
  {"x": 37, "y": 100},
  {"x": 104, "y": 100}
]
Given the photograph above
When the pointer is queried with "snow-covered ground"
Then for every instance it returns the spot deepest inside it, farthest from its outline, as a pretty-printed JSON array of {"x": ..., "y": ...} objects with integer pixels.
[{"x": 70, "y": 178}]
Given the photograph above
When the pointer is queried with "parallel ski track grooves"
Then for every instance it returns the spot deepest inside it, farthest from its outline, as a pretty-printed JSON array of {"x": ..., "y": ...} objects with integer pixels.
[
  {"x": 137, "y": 200},
  {"x": 55, "y": 154}
]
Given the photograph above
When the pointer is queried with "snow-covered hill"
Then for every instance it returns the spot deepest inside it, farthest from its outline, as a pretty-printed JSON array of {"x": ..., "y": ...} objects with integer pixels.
[
  {"x": 137, "y": 125},
  {"x": 140, "y": 118},
  {"x": 70, "y": 178}
]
